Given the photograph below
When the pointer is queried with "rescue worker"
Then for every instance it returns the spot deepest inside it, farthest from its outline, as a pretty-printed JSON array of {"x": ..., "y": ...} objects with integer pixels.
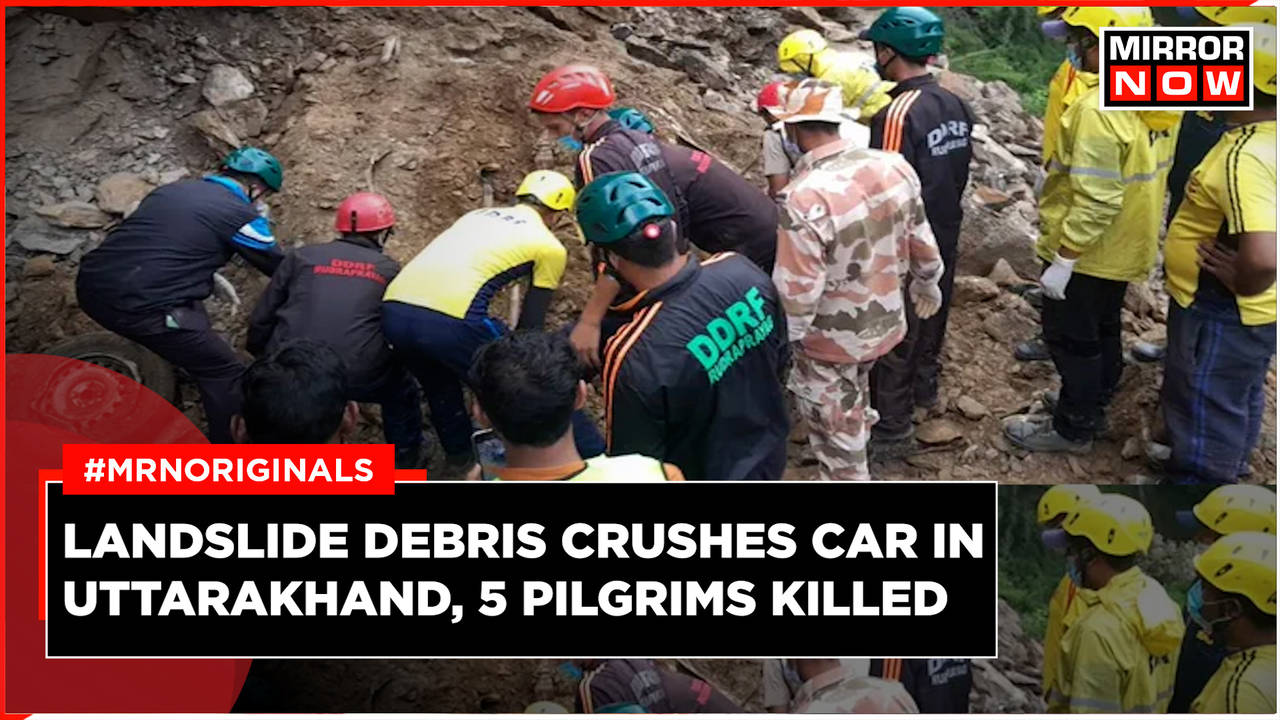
[
  {"x": 149, "y": 277},
  {"x": 1226, "y": 510},
  {"x": 332, "y": 292},
  {"x": 936, "y": 685},
  {"x": 853, "y": 228},
  {"x": 778, "y": 154},
  {"x": 716, "y": 209},
  {"x": 527, "y": 386},
  {"x": 1220, "y": 270},
  {"x": 807, "y": 53},
  {"x": 1234, "y": 602},
  {"x": 1100, "y": 224},
  {"x": 644, "y": 683},
  {"x": 780, "y": 682},
  {"x": 694, "y": 378},
  {"x": 435, "y": 313},
  {"x": 1120, "y": 654},
  {"x": 296, "y": 393},
  {"x": 1063, "y": 90},
  {"x": 830, "y": 687},
  {"x": 930, "y": 127},
  {"x": 1055, "y": 505}
]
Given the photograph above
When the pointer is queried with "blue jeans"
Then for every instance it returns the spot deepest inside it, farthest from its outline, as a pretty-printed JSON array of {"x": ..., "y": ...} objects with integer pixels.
[
  {"x": 1214, "y": 377},
  {"x": 438, "y": 350},
  {"x": 401, "y": 401}
]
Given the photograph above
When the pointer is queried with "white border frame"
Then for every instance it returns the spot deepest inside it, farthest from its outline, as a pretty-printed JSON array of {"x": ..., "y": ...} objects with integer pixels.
[{"x": 1214, "y": 30}]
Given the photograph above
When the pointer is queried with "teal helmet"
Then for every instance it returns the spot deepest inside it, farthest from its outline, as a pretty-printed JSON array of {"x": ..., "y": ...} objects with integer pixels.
[
  {"x": 257, "y": 162},
  {"x": 632, "y": 119},
  {"x": 912, "y": 31},
  {"x": 613, "y": 205}
]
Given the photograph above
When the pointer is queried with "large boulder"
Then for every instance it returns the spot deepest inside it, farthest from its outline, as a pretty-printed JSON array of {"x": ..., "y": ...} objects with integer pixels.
[
  {"x": 36, "y": 235},
  {"x": 225, "y": 84},
  {"x": 987, "y": 236},
  {"x": 121, "y": 192},
  {"x": 74, "y": 214}
]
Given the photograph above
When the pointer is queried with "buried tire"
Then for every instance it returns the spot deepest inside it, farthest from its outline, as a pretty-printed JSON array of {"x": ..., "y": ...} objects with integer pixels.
[{"x": 123, "y": 356}]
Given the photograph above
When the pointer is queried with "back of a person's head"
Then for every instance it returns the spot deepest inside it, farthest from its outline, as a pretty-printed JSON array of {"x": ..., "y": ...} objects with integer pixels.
[
  {"x": 527, "y": 384},
  {"x": 295, "y": 394}
]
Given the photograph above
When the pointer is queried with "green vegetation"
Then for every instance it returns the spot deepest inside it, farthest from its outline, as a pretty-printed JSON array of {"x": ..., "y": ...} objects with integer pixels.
[
  {"x": 1003, "y": 43},
  {"x": 1029, "y": 572}
]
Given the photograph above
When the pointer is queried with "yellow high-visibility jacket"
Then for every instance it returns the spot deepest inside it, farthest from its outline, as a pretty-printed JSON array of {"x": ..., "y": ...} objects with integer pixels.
[{"x": 1063, "y": 90}]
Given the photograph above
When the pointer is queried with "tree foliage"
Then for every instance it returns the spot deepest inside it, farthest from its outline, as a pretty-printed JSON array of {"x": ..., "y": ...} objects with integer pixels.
[{"x": 1003, "y": 43}]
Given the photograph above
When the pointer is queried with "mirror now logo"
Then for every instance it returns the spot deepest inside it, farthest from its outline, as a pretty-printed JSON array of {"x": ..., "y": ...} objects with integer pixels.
[{"x": 1176, "y": 68}]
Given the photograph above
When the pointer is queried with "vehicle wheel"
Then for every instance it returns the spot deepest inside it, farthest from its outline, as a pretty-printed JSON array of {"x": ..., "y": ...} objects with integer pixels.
[{"x": 123, "y": 356}]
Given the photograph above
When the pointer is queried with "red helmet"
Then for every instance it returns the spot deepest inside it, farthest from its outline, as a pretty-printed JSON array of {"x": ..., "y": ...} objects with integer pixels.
[
  {"x": 570, "y": 87},
  {"x": 364, "y": 212},
  {"x": 770, "y": 96}
]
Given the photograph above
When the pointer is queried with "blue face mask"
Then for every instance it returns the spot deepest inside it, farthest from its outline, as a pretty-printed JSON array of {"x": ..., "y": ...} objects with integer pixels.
[
  {"x": 1073, "y": 572},
  {"x": 1195, "y": 608},
  {"x": 790, "y": 148},
  {"x": 570, "y": 143},
  {"x": 1073, "y": 57}
]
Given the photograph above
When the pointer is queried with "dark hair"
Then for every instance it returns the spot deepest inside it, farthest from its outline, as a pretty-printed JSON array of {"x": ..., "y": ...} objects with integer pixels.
[
  {"x": 244, "y": 177},
  {"x": 1117, "y": 563},
  {"x": 646, "y": 251},
  {"x": 819, "y": 126},
  {"x": 1263, "y": 101},
  {"x": 297, "y": 393},
  {"x": 527, "y": 382}
]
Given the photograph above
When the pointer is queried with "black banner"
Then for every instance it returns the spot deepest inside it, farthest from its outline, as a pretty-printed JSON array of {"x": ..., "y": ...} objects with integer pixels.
[{"x": 711, "y": 570}]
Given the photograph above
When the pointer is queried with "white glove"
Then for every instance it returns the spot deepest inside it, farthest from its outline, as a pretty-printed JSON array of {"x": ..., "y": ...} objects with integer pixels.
[
  {"x": 926, "y": 298},
  {"x": 225, "y": 291},
  {"x": 263, "y": 209},
  {"x": 1056, "y": 276}
]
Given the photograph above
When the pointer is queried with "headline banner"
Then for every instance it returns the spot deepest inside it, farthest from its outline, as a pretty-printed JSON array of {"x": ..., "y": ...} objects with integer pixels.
[{"x": 715, "y": 569}]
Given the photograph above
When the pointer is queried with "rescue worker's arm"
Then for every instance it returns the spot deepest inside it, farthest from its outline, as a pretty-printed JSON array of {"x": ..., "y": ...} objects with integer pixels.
[
  {"x": 1096, "y": 182},
  {"x": 633, "y": 425},
  {"x": 255, "y": 242},
  {"x": 585, "y": 336},
  {"x": 262, "y": 322},
  {"x": 777, "y": 166},
  {"x": 1096, "y": 677},
  {"x": 800, "y": 272},
  {"x": 547, "y": 272},
  {"x": 1249, "y": 199},
  {"x": 776, "y": 183},
  {"x": 926, "y": 264}
]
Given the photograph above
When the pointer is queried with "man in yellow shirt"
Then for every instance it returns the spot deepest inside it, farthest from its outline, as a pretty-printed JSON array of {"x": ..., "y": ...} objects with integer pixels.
[
  {"x": 1220, "y": 269},
  {"x": 435, "y": 313},
  {"x": 1120, "y": 654},
  {"x": 1234, "y": 601},
  {"x": 1100, "y": 223},
  {"x": 806, "y": 52},
  {"x": 1055, "y": 505}
]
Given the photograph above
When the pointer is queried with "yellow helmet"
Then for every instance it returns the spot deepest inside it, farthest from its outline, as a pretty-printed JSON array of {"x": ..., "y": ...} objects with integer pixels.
[
  {"x": 1264, "y": 56},
  {"x": 1242, "y": 563},
  {"x": 796, "y": 51},
  {"x": 1115, "y": 524},
  {"x": 1043, "y": 10},
  {"x": 549, "y": 187},
  {"x": 1238, "y": 508},
  {"x": 1093, "y": 18},
  {"x": 1064, "y": 499},
  {"x": 1234, "y": 15}
]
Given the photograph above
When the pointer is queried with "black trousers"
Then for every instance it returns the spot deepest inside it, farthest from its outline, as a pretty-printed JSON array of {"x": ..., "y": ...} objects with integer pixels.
[
  {"x": 907, "y": 377},
  {"x": 192, "y": 345},
  {"x": 1083, "y": 335}
]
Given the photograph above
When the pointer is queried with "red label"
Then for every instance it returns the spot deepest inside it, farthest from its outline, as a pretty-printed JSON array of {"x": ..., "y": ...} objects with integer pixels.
[
  {"x": 1128, "y": 82},
  {"x": 1223, "y": 82},
  {"x": 1176, "y": 83},
  {"x": 229, "y": 470}
]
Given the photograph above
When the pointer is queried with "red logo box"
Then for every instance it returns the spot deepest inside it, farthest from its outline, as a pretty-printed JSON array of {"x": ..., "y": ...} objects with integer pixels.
[
  {"x": 1176, "y": 83},
  {"x": 1128, "y": 83},
  {"x": 1219, "y": 80}
]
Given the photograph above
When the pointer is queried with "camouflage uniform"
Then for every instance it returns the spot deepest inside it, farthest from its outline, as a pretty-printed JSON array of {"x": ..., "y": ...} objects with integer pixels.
[
  {"x": 853, "y": 226},
  {"x": 839, "y": 691}
]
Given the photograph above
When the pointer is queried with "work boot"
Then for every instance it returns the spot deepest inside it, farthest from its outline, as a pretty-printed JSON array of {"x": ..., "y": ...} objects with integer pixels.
[
  {"x": 1033, "y": 350},
  {"x": 1036, "y": 434},
  {"x": 457, "y": 465},
  {"x": 885, "y": 446},
  {"x": 1145, "y": 352},
  {"x": 1049, "y": 399},
  {"x": 413, "y": 457}
]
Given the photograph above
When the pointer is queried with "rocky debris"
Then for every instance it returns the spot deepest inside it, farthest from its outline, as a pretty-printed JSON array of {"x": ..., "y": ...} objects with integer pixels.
[
  {"x": 1132, "y": 448},
  {"x": 1007, "y": 683},
  {"x": 971, "y": 409},
  {"x": 990, "y": 198},
  {"x": 225, "y": 84},
  {"x": 215, "y": 130},
  {"x": 1004, "y": 275},
  {"x": 1142, "y": 302},
  {"x": 939, "y": 431},
  {"x": 37, "y": 267},
  {"x": 970, "y": 289},
  {"x": 36, "y": 235},
  {"x": 62, "y": 53},
  {"x": 245, "y": 118},
  {"x": 1008, "y": 328},
  {"x": 703, "y": 69},
  {"x": 74, "y": 214},
  {"x": 987, "y": 236},
  {"x": 121, "y": 192}
]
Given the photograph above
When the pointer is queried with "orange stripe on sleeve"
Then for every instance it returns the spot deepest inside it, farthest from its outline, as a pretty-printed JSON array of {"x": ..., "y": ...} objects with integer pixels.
[
  {"x": 897, "y": 120},
  {"x": 611, "y": 372}
]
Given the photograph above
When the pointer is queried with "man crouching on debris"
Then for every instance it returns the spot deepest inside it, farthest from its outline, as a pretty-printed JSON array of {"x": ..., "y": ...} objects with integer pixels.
[
  {"x": 853, "y": 225},
  {"x": 149, "y": 278},
  {"x": 649, "y": 686},
  {"x": 332, "y": 292}
]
